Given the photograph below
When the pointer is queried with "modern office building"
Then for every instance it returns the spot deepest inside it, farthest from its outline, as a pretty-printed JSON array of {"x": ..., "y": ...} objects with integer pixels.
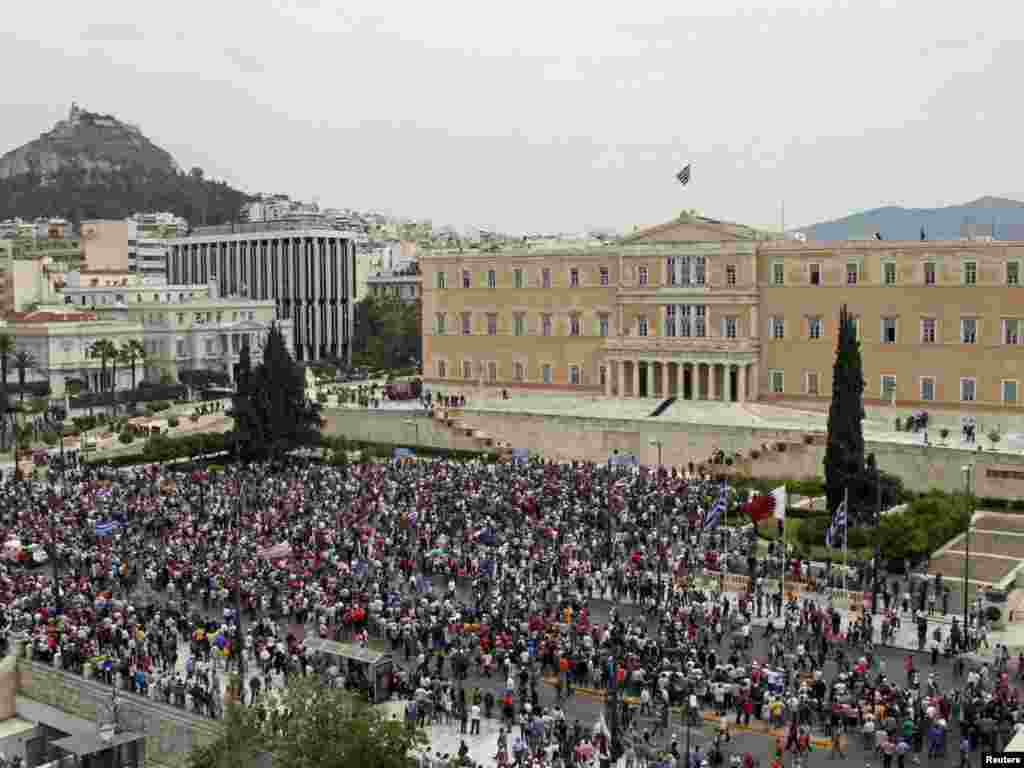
[
  {"x": 309, "y": 274},
  {"x": 703, "y": 309}
]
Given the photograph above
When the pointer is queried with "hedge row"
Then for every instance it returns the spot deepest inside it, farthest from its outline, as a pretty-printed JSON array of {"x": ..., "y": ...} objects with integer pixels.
[
  {"x": 144, "y": 394},
  {"x": 160, "y": 448}
]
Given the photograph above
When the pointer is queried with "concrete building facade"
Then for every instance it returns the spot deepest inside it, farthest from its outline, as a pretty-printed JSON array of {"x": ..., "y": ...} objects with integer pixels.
[
  {"x": 105, "y": 243},
  {"x": 701, "y": 309},
  {"x": 310, "y": 275},
  {"x": 60, "y": 338},
  {"x": 184, "y": 327}
]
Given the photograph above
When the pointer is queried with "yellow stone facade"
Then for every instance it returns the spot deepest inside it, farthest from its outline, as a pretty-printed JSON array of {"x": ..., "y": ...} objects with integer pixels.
[{"x": 704, "y": 310}]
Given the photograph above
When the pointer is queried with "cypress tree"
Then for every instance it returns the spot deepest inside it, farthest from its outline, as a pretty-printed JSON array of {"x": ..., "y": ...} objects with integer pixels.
[
  {"x": 271, "y": 410},
  {"x": 844, "y": 452}
]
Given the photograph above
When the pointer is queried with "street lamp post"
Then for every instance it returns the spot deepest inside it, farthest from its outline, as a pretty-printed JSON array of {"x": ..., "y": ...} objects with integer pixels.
[
  {"x": 967, "y": 469},
  {"x": 416, "y": 426},
  {"x": 873, "y": 460},
  {"x": 655, "y": 442}
]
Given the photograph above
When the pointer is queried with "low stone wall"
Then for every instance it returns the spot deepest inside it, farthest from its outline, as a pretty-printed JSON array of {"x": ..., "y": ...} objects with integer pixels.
[
  {"x": 999, "y": 475},
  {"x": 171, "y": 733},
  {"x": 391, "y": 426}
]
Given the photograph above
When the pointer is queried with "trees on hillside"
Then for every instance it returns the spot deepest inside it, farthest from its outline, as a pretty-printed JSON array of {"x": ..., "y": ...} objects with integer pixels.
[
  {"x": 76, "y": 194},
  {"x": 271, "y": 411},
  {"x": 387, "y": 333},
  {"x": 844, "y": 451}
]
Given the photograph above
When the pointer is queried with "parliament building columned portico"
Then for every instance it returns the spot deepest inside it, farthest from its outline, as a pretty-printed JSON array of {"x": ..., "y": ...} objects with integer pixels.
[{"x": 728, "y": 375}]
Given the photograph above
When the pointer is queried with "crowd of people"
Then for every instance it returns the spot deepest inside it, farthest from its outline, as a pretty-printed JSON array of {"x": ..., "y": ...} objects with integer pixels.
[{"x": 491, "y": 584}]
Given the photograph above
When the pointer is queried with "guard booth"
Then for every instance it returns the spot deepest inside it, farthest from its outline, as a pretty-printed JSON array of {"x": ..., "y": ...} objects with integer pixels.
[
  {"x": 372, "y": 668},
  {"x": 106, "y": 749}
]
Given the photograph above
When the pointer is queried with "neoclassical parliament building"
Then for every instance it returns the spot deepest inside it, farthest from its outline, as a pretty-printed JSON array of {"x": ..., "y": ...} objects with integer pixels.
[{"x": 706, "y": 310}]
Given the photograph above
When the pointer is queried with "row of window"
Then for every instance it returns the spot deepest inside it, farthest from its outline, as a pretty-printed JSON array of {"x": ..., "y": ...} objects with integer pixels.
[
  {"x": 404, "y": 290},
  {"x": 692, "y": 271},
  {"x": 519, "y": 326},
  {"x": 970, "y": 329},
  {"x": 491, "y": 372},
  {"x": 887, "y": 387},
  {"x": 681, "y": 320},
  {"x": 519, "y": 279},
  {"x": 853, "y": 273}
]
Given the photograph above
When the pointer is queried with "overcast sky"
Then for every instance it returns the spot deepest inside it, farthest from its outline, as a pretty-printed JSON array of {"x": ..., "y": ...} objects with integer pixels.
[{"x": 556, "y": 115}]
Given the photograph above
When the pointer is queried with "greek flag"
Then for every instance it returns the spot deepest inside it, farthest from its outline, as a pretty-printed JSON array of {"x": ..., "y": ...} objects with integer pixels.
[
  {"x": 713, "y": 516},
  {"x": 838, "y": 524},
  {"x": 106, "y": 528}
]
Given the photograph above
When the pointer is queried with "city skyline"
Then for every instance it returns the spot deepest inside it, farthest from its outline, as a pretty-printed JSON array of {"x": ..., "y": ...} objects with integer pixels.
[{"x": 456, "y": 115}]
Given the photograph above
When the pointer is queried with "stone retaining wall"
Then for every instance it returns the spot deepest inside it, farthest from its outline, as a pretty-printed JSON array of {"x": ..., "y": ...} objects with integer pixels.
[
  {"x": 571, "y": 437},
  {"x": 171, "y": 733}
]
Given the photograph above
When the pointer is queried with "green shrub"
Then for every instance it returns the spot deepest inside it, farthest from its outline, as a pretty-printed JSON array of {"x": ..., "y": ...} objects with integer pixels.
[
  {"x": 84, "y": 423},
  {"x": 858, "y": 538},
  {"x": 811, "y": 532},
  {"x": 50, "y": 438},
  {"x": 172, "y": 422},
  {"x": 158, "y": 405},
  {"x": 127, "y": 437},
  {"x": 926, "y": 524},
  {"x": 988, "y": 502},
  {"x": 811, "y": 486}
]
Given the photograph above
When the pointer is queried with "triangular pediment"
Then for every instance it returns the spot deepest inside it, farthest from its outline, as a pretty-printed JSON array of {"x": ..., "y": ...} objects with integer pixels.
[{"x": 691, "y": 229}]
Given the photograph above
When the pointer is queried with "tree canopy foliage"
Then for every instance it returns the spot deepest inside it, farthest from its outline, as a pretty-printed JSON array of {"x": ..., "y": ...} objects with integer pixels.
[
  {"x": 311, "y": 725},
  {"x": 271, "y": 411},
  {"x": 387, "y": 333},
  {"x": 844, "y": 451},
  {"x": 75, "y": 193}
]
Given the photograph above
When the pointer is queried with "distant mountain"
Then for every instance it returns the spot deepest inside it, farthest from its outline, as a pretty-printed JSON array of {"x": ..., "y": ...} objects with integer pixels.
[
  {"x": 95, "y": 166},
  {"x": 997, "y": 216}
]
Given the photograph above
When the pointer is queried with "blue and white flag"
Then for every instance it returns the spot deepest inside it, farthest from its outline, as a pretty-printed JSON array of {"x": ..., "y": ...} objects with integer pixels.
[
  {"x": 106, "y": 528},
  {"x": 838, "y": 524},
  {"x": 713, "y": 516}
]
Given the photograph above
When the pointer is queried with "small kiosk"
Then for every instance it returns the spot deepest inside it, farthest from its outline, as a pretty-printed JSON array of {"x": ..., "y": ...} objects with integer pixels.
[
  {"x": 374, "y": 668},
  {"x": 104, "y": 750}
]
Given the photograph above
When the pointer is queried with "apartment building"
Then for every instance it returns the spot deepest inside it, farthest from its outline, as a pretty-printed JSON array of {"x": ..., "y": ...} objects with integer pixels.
[
  {"x": 703, "y": 309},
  {"x": 310, "y": 276}
]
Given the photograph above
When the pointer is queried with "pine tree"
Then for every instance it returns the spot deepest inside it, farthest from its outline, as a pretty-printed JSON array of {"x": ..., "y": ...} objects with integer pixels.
[
  {"x": 844, "y": 452},
  {"x": 272, "y": 413}
]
